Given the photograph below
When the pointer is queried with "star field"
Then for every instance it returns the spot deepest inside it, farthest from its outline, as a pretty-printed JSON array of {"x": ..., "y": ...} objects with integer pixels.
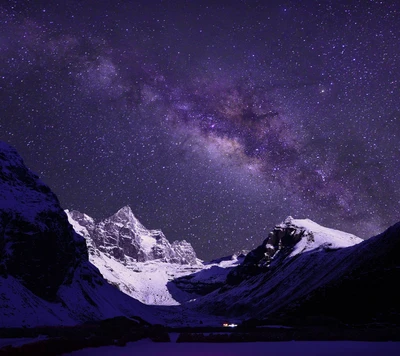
[{"x": 213, "y": 120}]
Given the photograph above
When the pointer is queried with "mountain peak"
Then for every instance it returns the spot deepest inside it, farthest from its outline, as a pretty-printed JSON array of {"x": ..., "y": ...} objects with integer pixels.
[
  {"x": 290, "y": 238},
  {"x": 122, "y": 236},
  {"x": 306, "y": 235},
  {"x": 288, "y": 220},
  {"x": 125, "y": 210},
  {"x": 45, "y": 275},
  {"x": 125, "y": 213}
]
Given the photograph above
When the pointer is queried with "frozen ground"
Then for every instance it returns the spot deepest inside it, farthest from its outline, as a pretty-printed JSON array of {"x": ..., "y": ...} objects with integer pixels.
[{"x": 309, "y": 348}]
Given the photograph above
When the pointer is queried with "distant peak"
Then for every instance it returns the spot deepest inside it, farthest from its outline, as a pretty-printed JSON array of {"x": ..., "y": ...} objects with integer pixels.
[
  {"x": 288, "y": 220},
  {"x": 126, "y": 210}
]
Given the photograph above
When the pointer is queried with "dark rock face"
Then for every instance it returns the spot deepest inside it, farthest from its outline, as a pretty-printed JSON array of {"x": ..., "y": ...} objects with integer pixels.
[
  {"x": 366, "y": 292},
  {"x": 37, "y": 244},
  {"x": 297, "y": 258},
  {"x": 325, "y": 275},
  {"x": 117, "y": 236},
  {"x": 282, "y": 238},
  {"x": 122, "y": 235}
]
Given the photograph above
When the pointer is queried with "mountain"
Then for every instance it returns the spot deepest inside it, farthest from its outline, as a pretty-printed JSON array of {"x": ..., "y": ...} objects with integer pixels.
[
  {"x": 304, "y": 272},
  {"x": 296, "y": 258},
  {"x": 45, "y": 275},
  {"x": 289, "y": 239},
  {"x": 143, "y": 264},
  {"x": 123, "y": 237},
  {"x": 365, "y": 291}
]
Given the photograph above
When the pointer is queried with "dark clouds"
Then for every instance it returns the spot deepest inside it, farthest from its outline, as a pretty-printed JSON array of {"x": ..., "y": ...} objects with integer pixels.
[{"x": 213, "y": 121}]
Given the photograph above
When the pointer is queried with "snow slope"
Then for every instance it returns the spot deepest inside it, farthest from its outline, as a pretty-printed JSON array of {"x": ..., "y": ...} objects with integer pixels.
[
  {"x": 317, "y": 237},
  {"x": 155, "y": 281},
  {"x": 297, "y": 257},
  {"x": 152, "y": 281},
  {"x": 81, "y": 300}
]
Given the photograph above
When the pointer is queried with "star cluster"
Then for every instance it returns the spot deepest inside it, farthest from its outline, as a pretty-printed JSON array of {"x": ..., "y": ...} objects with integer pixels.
[{"x": 213, "y": 120}]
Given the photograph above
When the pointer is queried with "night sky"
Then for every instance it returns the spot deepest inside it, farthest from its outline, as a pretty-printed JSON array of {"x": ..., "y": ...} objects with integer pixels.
[{"x": 213, "y": 120}]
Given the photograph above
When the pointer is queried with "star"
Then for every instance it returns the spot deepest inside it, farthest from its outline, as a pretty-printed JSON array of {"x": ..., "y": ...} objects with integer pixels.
[{"x": 238, "y": 114}]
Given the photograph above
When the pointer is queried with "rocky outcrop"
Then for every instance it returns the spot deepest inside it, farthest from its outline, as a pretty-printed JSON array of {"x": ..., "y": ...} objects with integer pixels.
[
  {"x": 37, "y": 244},
  {"x": 45, "y": 275},
  {"x": 288, "y": 239},
  {"x": 122, "y": 235},
  {"x": 184, "y": 252}
]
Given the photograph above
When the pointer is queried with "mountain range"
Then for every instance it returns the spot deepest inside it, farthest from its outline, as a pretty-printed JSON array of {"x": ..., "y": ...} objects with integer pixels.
[{"x": 63, "y": 268}]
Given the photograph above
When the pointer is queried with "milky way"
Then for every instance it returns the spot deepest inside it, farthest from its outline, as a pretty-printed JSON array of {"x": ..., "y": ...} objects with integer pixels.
[{"x": 213, "y": 120}]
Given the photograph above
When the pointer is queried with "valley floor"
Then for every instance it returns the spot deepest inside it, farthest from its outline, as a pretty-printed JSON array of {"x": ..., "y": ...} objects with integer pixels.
[
  {"x": 309, "y": 348},
  {"x": 131, "y": 337}
]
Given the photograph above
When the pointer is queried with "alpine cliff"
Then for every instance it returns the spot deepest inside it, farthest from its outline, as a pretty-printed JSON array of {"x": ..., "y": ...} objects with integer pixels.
[
  {"x": 122, "y": 236},
  {"x": 45, "y": 275}
]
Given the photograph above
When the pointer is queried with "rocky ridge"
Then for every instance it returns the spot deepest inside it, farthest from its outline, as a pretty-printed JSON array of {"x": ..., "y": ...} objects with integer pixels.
[
  {"x": 124, "y": 238},
  {"x": 297, "y": 257},
  {"x": 45, "y": 275}
]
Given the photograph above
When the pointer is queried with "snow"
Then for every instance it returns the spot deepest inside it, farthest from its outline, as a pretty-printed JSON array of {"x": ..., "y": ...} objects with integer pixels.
[
  {"x": 81, "y": 230},
  {"x": 146, "y": 236},
  {"x": 144, "y": 281},
  {"x": 105, "y": 300},
  {"x": 215, "y": 273},
  {"x": 147, "y": 281},
  {"x": 309, "y": 348},
  {"x": 36, "y": 311},
  {"x": 137, "y": 242},
  {"x": 321, "y": 255},
  {"x": 317, "y": 237}
]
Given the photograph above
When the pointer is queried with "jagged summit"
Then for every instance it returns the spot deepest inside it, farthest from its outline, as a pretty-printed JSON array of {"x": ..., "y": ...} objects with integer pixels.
[
  {"x": 125, "y": 215},
  {"x": 123, "y": 236},
  {"x": 125, "y": 210},
  {"x": 138, "y": 261}
]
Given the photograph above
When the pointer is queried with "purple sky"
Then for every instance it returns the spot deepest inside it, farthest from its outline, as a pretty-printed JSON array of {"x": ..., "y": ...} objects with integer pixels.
[{"x": 213, "y": 120}]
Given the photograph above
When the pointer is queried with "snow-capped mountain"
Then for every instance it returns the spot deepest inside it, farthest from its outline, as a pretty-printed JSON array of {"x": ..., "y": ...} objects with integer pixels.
[
  {"x": 364, "y": 290},
  {"x": 45, "y": 275},
  {"x": 289, "y": 239},
  {"x": 123, "y": 237},
  {"x": 143, "y": 264},
  {"x": 295, "y": 258}
]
